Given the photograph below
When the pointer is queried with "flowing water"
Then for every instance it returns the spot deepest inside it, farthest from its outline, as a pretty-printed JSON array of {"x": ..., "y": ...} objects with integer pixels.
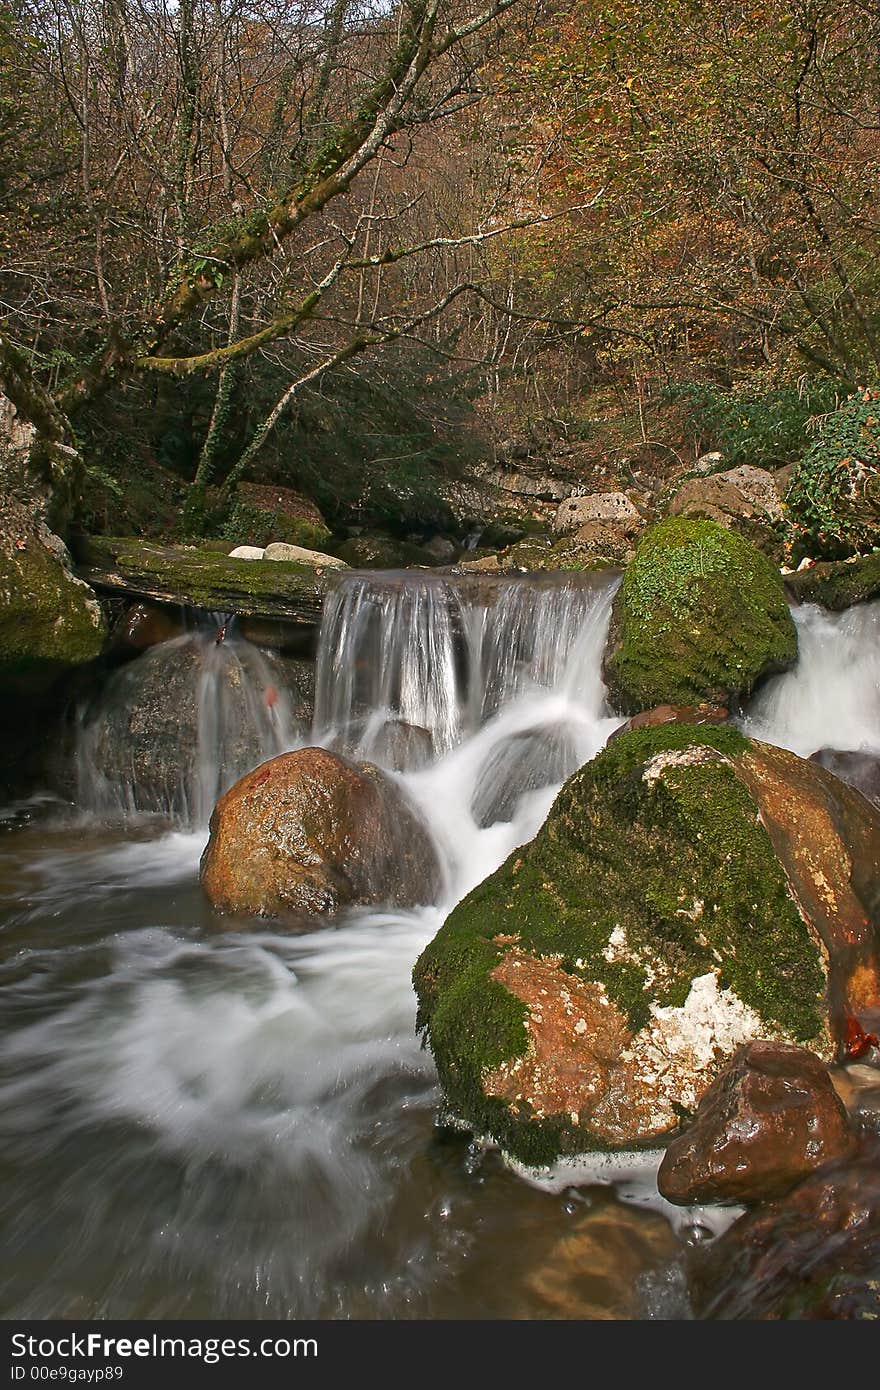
[{"x": 201, "y": 1122}]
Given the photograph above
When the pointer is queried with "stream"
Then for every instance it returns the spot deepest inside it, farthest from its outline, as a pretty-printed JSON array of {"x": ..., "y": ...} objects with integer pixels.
[{"x": 197, "y": 1122}]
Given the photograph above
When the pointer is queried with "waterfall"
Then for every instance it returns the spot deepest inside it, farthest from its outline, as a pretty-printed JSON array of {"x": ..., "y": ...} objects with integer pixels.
[
  {"x": 831, "y": 699},
  {"x": 443, "y": 654},
  {"x": 269, "y": 1086},
  {"x": 173, "y": 729}
]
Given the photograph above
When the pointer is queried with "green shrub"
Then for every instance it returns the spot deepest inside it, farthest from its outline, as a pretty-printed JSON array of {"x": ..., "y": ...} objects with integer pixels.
[
  {"x": 833, "y": 500},
  {"x": 246, "y": 524},
  {"x": 766, "y": 428}
]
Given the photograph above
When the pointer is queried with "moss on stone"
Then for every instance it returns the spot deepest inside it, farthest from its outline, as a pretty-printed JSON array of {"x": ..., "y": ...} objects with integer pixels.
[
  {"x": 48, "y": 621},
  {"x": 700, "y": 615},
  {"x": 681, "y": 864},
  {"x": 838, "y": 585},
  {"x": 248, "y": 524},
  {"x": 201, "y": 578}
]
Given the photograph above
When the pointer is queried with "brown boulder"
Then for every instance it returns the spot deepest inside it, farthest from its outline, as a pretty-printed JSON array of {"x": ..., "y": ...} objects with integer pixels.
[
  {"x": 144, "y": 625},
  {"x": 310, "y": 832},
  {"x": 814, "y": 1253},
  {"x": 770, "y": 1119},
  {"x": 673, "y": 714},
  {"x": 743, "y": 499}
]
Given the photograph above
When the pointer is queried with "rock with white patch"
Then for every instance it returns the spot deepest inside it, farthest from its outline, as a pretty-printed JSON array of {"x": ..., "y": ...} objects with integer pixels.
[{"x": 690, "y": 892}]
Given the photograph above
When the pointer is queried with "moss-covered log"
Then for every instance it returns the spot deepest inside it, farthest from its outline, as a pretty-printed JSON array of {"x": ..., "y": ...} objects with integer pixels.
[{"x": 202, "y": 578}]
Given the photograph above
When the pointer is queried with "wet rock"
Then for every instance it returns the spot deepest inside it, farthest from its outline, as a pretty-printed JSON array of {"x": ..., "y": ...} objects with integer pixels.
[
  {"x": 299, "y": 678},
  {"x": 838, "y": 585},
  {"x": 814, "y": 1253},
  {"x": 700, "y": 616},
  {"x": 310, "y": 832},
  {"x": 771, "y": 1118},
  {"x": 280, "y": 550},
  {"x": 143, "y": 742},
  {"x": 860, "y": 770},
  {"x": 278, "y": 636},
  {"x": 673, "y": 714},
  {"x": 402, "y": 746},
  {"x": 393, "y": 743},
  {"x": 522, "y": 763},
  {"x": 690, "y": 891},
  {"x": 614, "y": 507},
  {"x": 144, "y": 625}
]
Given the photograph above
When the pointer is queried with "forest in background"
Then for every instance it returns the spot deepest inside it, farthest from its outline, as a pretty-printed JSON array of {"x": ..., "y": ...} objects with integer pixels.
[{"x": 362, "y": 250}]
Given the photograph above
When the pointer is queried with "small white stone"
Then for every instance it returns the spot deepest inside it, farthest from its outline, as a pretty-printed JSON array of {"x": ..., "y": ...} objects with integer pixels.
[{"x": 247, "y": 552}]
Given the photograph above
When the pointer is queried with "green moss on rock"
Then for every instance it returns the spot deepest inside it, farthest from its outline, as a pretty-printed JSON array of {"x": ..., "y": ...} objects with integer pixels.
[
  {"x": 678, "y": 865},
  {"x": 700, "y": 615},
  {"x": 838, "y": 586},
  {"x": 48, "y": 621},
  {"x": 201, "y": 578}
]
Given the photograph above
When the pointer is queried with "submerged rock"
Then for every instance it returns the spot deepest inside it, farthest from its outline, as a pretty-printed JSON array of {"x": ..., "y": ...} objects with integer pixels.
[
  {"x": 392, "y": 743},
  {"x": 771, "y": 1118},
  {"x": 145, "y": 625},
  {"x": 700, "y": 616},
  {"x": 689, "y": 892},
  {"x": 523, "y": 763},
  {"x": 814, "y": 1253},
  {"x": 860, "y": 770},
  {"x": 310, "y": 832}
]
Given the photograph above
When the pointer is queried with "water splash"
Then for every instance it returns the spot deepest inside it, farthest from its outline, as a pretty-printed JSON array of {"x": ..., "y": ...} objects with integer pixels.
[
  {"x": 831, "y": 699},
  {"x": 444, "y": 654}
]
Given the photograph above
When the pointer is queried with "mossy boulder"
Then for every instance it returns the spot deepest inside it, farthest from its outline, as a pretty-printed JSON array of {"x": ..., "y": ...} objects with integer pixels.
[
  {"x": 690, "y": 891},
  {"x": 838, "y": 585},
  {"x": 50, "y": 621},
  {"x": 701, "y": 615}
]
